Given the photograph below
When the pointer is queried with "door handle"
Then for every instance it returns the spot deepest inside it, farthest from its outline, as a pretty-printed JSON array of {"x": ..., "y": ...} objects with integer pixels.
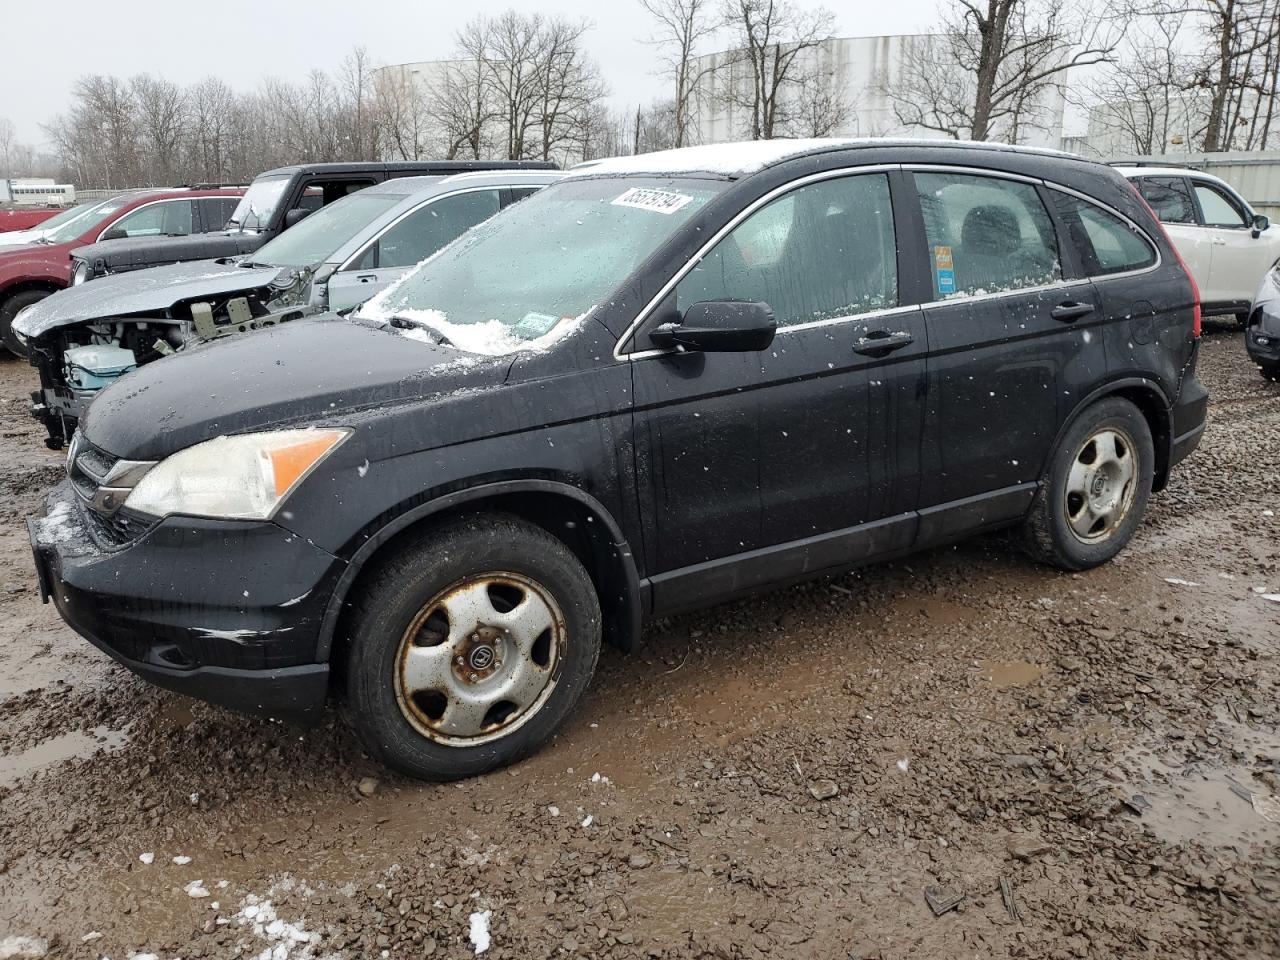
[
  {"x": 367, "y": 277},
  {"x": 881, "y": 343},
  {"x": 1071, "y": 311}
]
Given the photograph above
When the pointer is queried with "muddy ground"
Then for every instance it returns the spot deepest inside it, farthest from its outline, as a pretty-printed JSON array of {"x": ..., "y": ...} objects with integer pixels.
[{"x": 1090, "y": 762}]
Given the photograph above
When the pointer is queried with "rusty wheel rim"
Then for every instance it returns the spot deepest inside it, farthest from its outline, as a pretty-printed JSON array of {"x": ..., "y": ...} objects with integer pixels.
[
  {"x": 1101, "y": 484},
  {"x": 480, "y": 659}
]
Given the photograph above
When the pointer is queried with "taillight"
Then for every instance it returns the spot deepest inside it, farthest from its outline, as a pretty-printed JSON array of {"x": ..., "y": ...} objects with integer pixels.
[{"x": 1195, "y": 287}]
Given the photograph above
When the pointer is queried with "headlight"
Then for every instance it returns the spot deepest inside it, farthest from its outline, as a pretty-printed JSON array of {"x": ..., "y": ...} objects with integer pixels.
[
  {"x": 81, "y": 273},
  {"x": 233, "y": 478}
]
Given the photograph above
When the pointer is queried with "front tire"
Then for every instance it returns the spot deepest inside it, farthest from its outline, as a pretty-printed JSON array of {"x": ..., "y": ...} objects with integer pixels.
[
  {"x": 1270, "y": 371},
  {"x": 9, "y": 309},
  {"x": 469, "y": 647},
  {"x": 1094, "y": 493}
]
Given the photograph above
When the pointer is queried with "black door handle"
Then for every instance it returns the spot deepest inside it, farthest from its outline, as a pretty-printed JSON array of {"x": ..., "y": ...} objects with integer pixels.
[
  {"x": 881, "y": 343},
  {"x": 1071, "y": 311}
]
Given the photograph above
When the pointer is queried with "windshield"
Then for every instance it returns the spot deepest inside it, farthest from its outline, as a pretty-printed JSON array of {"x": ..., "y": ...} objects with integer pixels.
[
  {"x": 259, "y": 202},
  {"x": 546, "y": 259},
  {"x": 317, "y": 237},
  {"x": 66, "y": 216},
  {"x": 92, "y": 219}
]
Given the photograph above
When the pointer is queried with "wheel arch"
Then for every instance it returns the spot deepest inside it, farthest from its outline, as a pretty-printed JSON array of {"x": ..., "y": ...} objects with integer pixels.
[
  {"x": 24, "y": 286},
  {"x": 1152, "y": 403},
  {"x": 568, "y": 513}
]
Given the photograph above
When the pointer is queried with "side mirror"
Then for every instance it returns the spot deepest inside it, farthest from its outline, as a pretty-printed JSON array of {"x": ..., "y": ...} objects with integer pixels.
[
  {"x": 115, "y": 233},
  {"x": 1260, "y": 223},
  {"x": 295, "y": 216},
  {"x": 719, "y": 326}
]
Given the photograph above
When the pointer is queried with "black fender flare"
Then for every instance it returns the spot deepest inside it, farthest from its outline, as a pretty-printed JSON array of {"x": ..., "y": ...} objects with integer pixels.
[
  {"x": 1119, "y": 386},
  {"x": 628, "y": 617}
]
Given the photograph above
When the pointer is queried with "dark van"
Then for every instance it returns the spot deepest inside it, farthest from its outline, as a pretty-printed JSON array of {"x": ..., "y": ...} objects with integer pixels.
[{"x": 660, "y": 383}]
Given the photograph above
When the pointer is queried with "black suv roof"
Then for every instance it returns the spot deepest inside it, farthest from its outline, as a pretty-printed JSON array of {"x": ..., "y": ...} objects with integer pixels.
[{"x": 425, "y": 167}]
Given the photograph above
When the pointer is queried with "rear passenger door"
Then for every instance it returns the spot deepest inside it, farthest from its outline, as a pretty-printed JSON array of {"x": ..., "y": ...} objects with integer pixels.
[
  {"x": 1170, "y": 199},
  {"x": 407, "y": 242},
  {"x": 1009, "y": 340}
]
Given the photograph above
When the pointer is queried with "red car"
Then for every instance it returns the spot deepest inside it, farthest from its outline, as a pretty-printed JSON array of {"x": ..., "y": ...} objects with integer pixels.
[{"x": 31, "y": 272}]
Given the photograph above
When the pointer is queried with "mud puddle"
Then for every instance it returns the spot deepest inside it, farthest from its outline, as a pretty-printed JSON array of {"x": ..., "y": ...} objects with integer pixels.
[
  {"x": 1003, "y": 674},
  {"x": 59, "y": 749}
]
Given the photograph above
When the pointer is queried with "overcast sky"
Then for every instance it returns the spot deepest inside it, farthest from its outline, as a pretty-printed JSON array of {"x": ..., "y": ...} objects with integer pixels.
[{"x": 46, "y": 46}]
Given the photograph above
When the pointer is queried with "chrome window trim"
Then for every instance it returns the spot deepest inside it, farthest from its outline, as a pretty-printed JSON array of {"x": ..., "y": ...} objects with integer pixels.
[
  {"x": 143, "y": 206},
  {"x": 1061, "y": 283},
  {"x": 346, "y": 264},
  {"x": 715, "y": 238}
]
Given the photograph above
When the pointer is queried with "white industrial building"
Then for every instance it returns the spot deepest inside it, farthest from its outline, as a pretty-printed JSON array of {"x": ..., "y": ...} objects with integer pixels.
[{"x": 860, "y": 68}]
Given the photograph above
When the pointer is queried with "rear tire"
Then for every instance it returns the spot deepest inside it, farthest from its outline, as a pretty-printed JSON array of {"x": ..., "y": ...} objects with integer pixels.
[
  {"x": 10, "y": 309},
  {"x": 469, "y": 647},
  {"x": 1094, "y": 493}
]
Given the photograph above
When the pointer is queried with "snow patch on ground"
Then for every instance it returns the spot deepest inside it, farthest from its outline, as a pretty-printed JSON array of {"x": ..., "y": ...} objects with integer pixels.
[
  {"x": 284, "y": 940},
  {"x": 479, "y": 933}
]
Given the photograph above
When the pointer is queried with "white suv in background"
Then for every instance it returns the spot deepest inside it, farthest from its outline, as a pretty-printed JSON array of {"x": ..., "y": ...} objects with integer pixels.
[{"x": 1227, "y": 246}]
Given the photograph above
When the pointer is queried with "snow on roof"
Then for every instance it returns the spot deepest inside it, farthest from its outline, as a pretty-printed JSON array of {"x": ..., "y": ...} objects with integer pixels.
[{"x": 741, "y": 158}]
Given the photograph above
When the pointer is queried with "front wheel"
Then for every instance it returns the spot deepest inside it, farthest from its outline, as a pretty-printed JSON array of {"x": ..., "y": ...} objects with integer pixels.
[
  {"x": 1270, "y": 371},
  {"x": 10, "y": 307},
  {"x": 1094, "y": 493},
  {"x": 468, "y": 648}
]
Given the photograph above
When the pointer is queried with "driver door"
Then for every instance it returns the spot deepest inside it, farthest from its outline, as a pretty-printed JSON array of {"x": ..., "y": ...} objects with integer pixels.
[{"x": 762, "y": 467}]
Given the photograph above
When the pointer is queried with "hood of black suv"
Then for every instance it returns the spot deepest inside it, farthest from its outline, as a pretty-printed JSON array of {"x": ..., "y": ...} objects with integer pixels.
[
  {"x": 318, "y": 371},
  {"x": 137, "y": 253}
]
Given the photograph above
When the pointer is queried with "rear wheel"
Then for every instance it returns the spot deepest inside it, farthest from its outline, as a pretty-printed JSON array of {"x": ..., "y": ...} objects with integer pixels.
[
  {"x": 469, "y": 648},
  {"x": 9, "y": 309},
  {"x": 1094, "y": 494}
]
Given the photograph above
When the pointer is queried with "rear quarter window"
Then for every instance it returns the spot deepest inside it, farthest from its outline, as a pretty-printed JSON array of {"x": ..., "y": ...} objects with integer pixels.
[{"x": 1103, "y": 242}]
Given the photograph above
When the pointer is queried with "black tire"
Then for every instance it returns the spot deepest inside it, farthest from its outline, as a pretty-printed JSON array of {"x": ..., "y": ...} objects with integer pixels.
[
  {"x": 1270, "y": 371},
  {"x": 9, "y": 309},
  {"x": 1051, "y": 530},
  {"x": 412, "y": 590}
]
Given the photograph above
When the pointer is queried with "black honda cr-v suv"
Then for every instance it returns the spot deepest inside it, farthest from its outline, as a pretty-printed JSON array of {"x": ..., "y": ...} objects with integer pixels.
[{"x": 662, "y": 382}]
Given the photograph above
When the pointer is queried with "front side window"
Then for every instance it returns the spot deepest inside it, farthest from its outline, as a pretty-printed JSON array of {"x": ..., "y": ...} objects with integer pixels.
[
  {"x": 822, "y": 251},
  {"x": 547, "y": 259},
  {"x": 427, "y": 229},
  {"x": 320, "y": 235},
  {"x": 1219, "y": 210},
  {"x": 985, "y": 235},
  {"x": 1102, "y": 241},
  {"x": 1169, "y": 198},
  {"x": 171, "y": 218}
]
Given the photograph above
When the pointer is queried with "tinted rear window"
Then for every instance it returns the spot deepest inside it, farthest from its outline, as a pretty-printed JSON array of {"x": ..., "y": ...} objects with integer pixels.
[{"x": 1103, "y": 242}]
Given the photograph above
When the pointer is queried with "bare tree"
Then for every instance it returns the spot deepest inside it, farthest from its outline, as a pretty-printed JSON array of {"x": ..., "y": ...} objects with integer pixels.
[
  {"x": 984, "y": 74},
  {"x": 8, "y": 140},
  {"x": 683, "y": 25},
  {"x": 767, "y": 62},
  {"x": 1237, "y": 32},
  {"x": 403, "y": 115},
  {"x": 822, "y": 106},
  {"x": 568, "y": 83},
  {"x": 162, "y": 121}
]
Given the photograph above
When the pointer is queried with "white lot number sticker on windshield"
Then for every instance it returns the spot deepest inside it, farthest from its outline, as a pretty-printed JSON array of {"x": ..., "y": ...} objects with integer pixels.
[{"x": 659, "y": 201}]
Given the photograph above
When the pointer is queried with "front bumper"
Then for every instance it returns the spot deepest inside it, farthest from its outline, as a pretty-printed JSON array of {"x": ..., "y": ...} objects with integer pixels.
[
  {"x": 224, "y": 611},
  {"x": 1262, "y": 332}
]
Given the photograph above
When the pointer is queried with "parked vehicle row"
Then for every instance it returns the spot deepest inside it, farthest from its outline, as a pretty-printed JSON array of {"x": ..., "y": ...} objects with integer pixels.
[
  {"x": 88, "y": 336},
  {"x": 33, "y": 271},
  {"x": 659, "y": 382}
]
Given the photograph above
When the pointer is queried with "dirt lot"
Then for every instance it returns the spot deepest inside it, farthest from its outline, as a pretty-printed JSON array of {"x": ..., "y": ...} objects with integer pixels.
[{"x": 1092, "y": 762}]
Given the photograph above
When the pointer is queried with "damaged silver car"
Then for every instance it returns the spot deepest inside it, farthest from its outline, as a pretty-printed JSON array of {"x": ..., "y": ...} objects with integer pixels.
[{"x": 85, "y": 337}]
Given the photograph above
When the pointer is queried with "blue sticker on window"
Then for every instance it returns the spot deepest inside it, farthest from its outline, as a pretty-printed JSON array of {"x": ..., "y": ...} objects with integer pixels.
[{"x": 944, "y": 269}]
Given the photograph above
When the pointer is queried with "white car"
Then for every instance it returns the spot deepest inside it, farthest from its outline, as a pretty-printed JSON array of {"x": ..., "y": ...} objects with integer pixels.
[{"x": 1227, "y": 246}]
